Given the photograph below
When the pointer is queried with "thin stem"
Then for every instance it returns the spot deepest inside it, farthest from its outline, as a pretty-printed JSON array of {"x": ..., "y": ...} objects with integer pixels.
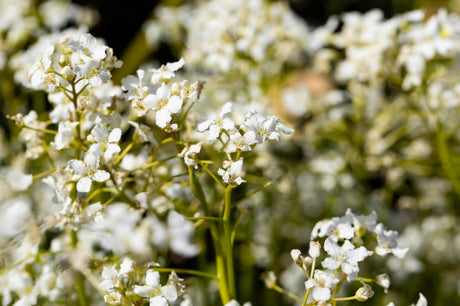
[
  {"x": 39, "y": 175},
  {"x": 220, "y": 262},
  {"x": 284, "y": 292},
  {"x": 311, "y": 276},
  {"x": 205, "y": 167},
  {"x": 185, "y": 271},
  {"x": 345, "y": 298},
  {"x": 228, "y": 242},
  {"x": 46, "y": 131},
  {"x": 122, "y": 154},
  {"x": 217, "y": 219}
]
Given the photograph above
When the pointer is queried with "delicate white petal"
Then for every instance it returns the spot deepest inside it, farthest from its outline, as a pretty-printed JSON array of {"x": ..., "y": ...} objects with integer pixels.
[
  {"x": 321, "y": 294},
  {"x": 115, "y": 135},
  {"x": 158, "y": 301},
  {"x": 111, "y": 149},
  {"x": 101, "y": 176},
  {"x": 162, "y": 117},
  {"x": 84, "y": 184},
  {"x": 174, "y": 105},
  {"x": 76, "y": 166},
  {"x": 143, "y": 291},
  {"x": 152, "y": 278},
  {"x": 169, "y": 292}
]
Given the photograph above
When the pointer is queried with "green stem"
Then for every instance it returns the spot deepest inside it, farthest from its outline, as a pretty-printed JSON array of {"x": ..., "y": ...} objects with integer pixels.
[
  {"x": 284, "y": 292},
  {"x": 186, "y": 271},
  {"x": 220, "y": 262},
  {"x": 345, "y": 298},
  {"x": 122, "y": 154},
  {"x": 39, "y": 175},
  {"x": 217, "y": 219},
  {"x": 81, "y": 290},
  {"x": 311, "y": 276},
  {"x": 228, "y": 242}
]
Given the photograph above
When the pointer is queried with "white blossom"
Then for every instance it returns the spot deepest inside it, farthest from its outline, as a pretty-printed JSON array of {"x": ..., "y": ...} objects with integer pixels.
[
  {"x": 232, "y": 172},
  {"x": 87, "y": 170},
  {"x": 346, "y": 257},
  {"x": 322, "y": 282},
  {"x": 214, "y": 126}
]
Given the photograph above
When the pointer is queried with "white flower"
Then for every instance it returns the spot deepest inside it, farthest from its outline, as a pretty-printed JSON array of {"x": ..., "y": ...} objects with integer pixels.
[
  {"x": 362, "y": 224},
  {"x": 322, "y": 282},
  {"x": 336, "y": 228},
  {"x": 165, "y": 105},
  {"x": 345, "y": 257},
  {"x": 189, "y": 154},
  {"x": 158, "y": 295},
  {"x": 113, "y": 298},
  {"x": 106, "y": 141},
  {"x": 110, "y": 279},
  {"x": 387, "y": 242},
  {"x": 88, "y": 170},
  {"x": 242, "y": 143},
  {"x": 65, "y": 136},
  {"x": 232, "y": 172},
  {"x": 58, "y": 181},
  {"x": 265, "y": 127},
  {"x": 214, "y": 126},
  {"x": 166, "y": 72}
]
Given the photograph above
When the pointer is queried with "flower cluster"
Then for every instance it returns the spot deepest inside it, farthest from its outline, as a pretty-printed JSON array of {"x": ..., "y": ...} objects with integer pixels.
[
  {"x": 117, "y": 281},
  {"x": 106, "y": 172},
  {"x": 348, "y": 240},
  {"x": 240, "y": 138}
]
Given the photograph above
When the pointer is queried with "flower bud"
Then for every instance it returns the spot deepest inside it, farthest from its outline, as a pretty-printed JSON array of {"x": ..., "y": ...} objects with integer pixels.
[
  {"x": 297, "y": 257},
  {"x": 315, "y": 248},
  {"x": 68, "y": 73},
  {"x": 364, "y": 293},
  {"x": 269, "y": 279},
  {"x": 383, "y": 280}
]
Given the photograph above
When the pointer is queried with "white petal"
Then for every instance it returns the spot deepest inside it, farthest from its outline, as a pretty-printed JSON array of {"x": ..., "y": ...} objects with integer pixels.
[
  {"x": 84, "y": 184},
  {"x": 158, "y": 301},
  {"x": 152, "y": 278},
  {"x": 203, "y": 126},
  {"x": 176, "y": 65},
  {"x": 115, "y": 135},
  {"x": 169, "y": 292},
  {"x": 163, "y": 91},
  {"x": 227, "y": 108},
  {"x": 321, "y": 294},
  {"x": 174, "y": 105},
  {"x": 421, "y": 301},
  {"x": 163, "y": 117},
  {"x": 330, "y": 264},
  {"x": 99, "y": 132},
  {"x": 129, "y": 83},
  {"x": 92, "y": 156},
  {"x": 76, "y": 166},
  {"x": 101, "y": 176},
  {"x": 111, "y": 149},
  {"x": 143, "y": 291}
]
